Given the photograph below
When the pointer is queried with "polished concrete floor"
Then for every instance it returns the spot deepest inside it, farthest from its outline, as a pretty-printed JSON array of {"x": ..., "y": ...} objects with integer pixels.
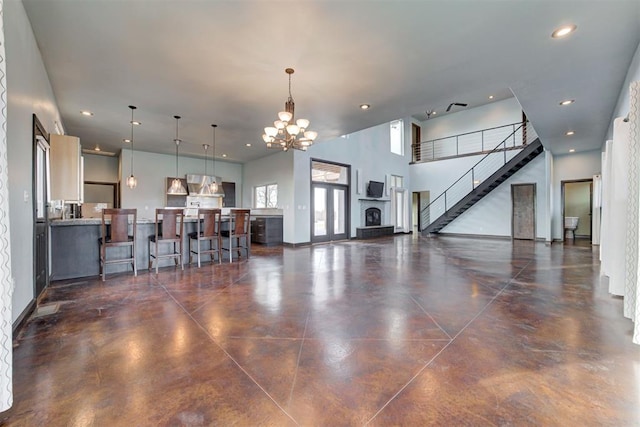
[{"x": 394, "y": 331}]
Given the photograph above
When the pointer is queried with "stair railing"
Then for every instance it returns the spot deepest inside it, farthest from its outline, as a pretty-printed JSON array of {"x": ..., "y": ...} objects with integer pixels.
[
  {"x": 483, "y": 169},
  {"x": 463, "y": 144}
]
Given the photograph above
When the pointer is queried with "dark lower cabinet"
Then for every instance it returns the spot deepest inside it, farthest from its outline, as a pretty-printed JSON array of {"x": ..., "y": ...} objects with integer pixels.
[{"x": 267, "y": 230}]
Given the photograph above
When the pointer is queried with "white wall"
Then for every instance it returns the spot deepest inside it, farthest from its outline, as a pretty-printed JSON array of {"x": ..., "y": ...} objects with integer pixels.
[
  {"x": 274, "y": 169},
  {"x": 152, "y": 169},
  {"x": 28, "y": 92},
  {"x": 367, "y": 150},
  {"x": 622, "y": 106},
  {"x": 569, "y": 167},
  {"x": 491, "y": 216},
  {"x": 484, "y": 117},
  {"x": 100, "y": 168}
]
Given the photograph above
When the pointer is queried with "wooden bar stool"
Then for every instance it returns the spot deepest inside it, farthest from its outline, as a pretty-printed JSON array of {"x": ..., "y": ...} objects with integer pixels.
[
  {"x": 207, "y": 230},
  {"x": 117, "y": 235},
  {"x": 239, "y": 225},
  {"x": 171, "y": 233}
]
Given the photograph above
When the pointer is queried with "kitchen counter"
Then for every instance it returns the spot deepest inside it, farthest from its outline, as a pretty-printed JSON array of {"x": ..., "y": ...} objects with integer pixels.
[{"x": 75, "y": 253}]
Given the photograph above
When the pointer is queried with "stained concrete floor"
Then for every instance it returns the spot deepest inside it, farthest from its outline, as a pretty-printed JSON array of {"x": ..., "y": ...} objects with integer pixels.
[{"x": 393, "y": 331}]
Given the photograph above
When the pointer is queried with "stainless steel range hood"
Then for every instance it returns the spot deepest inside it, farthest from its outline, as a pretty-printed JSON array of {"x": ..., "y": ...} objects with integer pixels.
[{"x": 198, "y": 185}]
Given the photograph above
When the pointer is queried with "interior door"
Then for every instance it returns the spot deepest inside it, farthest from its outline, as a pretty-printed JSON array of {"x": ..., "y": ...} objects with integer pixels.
[
  {"x": 329, "y": 213},
  {"x": 41, "y": 207},
  {"x": 523, "y": 219}
]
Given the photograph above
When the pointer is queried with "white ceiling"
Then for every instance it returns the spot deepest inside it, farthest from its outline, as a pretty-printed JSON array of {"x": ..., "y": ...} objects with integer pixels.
[{"x": 223, "y": 62}]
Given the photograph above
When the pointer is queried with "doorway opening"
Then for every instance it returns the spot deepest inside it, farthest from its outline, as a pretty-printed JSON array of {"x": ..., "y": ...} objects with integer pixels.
[
  {"x": 577, "y": 205},
  {"x": 40, "y": 191},
  {"x": 419, "y": 201}
]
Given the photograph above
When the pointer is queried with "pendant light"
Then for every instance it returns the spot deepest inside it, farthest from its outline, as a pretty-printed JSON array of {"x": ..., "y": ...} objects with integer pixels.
[
  {"x": 205, "y": 189},
  {"x": 131, "y": 180},
  {"x": 214, "y": 184},
  {"x": 177, "y": 188}
]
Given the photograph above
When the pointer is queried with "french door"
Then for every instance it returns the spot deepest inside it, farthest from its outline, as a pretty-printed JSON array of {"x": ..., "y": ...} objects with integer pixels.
[{"x": 330, "y": 212}]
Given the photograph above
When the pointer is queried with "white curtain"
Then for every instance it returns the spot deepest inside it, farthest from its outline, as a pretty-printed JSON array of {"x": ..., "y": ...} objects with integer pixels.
[
  {"x": 615, "y": 180},
  {"x": 596, "y": 210},
  {"x": 620, "y": 237},
  {"x": 631, "y": 301},
  {"x": 6, "y": 288}
]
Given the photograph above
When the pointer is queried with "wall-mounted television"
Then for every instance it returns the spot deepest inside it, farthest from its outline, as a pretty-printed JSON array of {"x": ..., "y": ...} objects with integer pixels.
[{"x": 375, "y": 189}]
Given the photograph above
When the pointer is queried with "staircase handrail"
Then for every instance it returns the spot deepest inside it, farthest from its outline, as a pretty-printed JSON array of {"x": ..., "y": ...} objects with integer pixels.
[{"x": 495, "y": 150}]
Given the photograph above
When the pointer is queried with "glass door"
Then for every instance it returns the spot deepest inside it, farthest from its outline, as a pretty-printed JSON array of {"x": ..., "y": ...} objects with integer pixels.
[{"x": 330, "y": 213}]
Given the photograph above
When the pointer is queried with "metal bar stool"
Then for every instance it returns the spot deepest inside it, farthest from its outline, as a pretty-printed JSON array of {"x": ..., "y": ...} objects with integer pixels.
[
  {"x": 117, "y": 235},
  {"x": 171, "y": 233},
  {"x": 207, "y": 230},
  {"x": 239, "y": 223}
]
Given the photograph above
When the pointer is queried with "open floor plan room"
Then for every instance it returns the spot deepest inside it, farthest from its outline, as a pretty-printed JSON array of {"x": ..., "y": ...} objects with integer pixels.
[{"x": 401, "y": 330}]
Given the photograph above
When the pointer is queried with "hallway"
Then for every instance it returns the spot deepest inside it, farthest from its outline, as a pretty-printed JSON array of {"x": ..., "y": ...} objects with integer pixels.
[{"x": 394, "y": 331}]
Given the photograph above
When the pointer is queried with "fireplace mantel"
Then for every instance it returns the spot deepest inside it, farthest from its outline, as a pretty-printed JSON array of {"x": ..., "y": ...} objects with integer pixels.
[{"x": 375, "y": 200}]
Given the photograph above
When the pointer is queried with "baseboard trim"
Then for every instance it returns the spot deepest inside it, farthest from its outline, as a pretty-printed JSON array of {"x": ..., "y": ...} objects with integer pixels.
[
  {"x": 296, "y": 245},
  {"x": 22, "y": 319}
]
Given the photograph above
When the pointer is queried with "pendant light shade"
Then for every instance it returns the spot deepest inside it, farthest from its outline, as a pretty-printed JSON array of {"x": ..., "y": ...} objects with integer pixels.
[
  {"x": 177, "y": 188},
  {"x": 132, "y": 182}
]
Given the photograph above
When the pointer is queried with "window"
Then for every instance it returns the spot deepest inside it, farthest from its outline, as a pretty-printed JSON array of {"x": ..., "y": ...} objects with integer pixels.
[
  {"x": 397, "y": 181},
  {"x": 397, "y": 137},
  {"x": 266, "y": 196}
]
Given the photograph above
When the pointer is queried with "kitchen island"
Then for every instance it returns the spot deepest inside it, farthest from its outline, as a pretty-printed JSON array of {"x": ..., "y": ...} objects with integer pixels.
[{"x": 75, "y": 252}]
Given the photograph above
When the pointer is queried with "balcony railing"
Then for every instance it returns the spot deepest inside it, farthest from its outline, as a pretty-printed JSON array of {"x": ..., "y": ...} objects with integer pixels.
[
  {"x": 465, "y": 144},
  {"x": 497, "y": 157}
]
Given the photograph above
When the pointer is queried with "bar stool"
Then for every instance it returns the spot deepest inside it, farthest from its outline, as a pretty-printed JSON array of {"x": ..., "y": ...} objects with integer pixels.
[
  {"x": 207, "y": 229},
  {"x": 239, "y": 223},
  {"x": 171, "y": 232},
  {"x": 117, "y": 235}
]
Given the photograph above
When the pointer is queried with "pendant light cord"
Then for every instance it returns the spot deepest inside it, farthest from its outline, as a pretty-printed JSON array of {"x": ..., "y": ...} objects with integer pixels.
[
  {"x": 177, "y": 141},
  {"x": 214, "y": 149},
  {"x": 132, "y": 109}
]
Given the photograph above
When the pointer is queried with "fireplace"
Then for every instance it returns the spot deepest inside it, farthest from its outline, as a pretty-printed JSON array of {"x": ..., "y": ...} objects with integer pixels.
[{"x": 372, "y": 217}]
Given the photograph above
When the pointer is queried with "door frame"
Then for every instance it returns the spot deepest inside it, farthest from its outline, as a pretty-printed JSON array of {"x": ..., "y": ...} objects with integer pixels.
[
  {"x": 574, "y": 181},
  {"x": 39, "y": 131},
  {"x": 535, "y": 189},
  {"x": 346, "y": 187}
]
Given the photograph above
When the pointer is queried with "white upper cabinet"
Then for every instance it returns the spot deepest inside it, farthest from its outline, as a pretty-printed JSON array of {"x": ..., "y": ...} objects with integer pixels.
[{"x": 66, "y": 168}]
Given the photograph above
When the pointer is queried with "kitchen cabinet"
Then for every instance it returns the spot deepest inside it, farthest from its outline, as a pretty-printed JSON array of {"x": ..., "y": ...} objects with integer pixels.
[
  {"x": 66, "y": 168},
  {"x": 267, "y": 230}
]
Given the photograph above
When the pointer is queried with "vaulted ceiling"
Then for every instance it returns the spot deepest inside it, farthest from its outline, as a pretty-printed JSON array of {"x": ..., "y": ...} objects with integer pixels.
[{"x": 223, "y": 62}]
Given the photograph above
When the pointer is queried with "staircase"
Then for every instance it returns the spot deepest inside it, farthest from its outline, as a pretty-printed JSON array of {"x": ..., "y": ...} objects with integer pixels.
[{"x": 491, "y": 171}]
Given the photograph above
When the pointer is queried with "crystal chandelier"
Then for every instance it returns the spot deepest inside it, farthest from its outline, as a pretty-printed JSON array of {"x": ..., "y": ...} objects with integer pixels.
[
  {"x": 287, "y": 132},
  {"x": 131, "y": 180},
  {"x": 176, "y": 185}
]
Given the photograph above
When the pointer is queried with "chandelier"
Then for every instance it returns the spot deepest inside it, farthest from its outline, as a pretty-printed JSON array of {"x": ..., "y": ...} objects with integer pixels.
[{"x": 287, "y": 132}]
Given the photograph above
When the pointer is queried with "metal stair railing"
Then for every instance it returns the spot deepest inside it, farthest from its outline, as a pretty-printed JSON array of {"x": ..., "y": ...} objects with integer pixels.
[
  {"x": 482, "y": 170},
  {"x": 463, "y": 144}
]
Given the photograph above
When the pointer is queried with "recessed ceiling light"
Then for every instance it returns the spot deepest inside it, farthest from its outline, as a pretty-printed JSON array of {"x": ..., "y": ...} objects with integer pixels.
[
  {"x": 86, "y": 113},
  {"x": 365, "y": 106},
  {"x": 490, "y": 96},
  {"x": 569, "y": 133},
  {"x": 126, "y": 141},
  {"x": 434, "y": 113},
  {"x": 136, "y": 123},
  {"x": 563, "y": 31},
  {"x": 573, "y": 150},
  {"x": 248, "y": 144},
  {"x": 567, "y": 101},
  {"x": 224, "y": 155}
]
